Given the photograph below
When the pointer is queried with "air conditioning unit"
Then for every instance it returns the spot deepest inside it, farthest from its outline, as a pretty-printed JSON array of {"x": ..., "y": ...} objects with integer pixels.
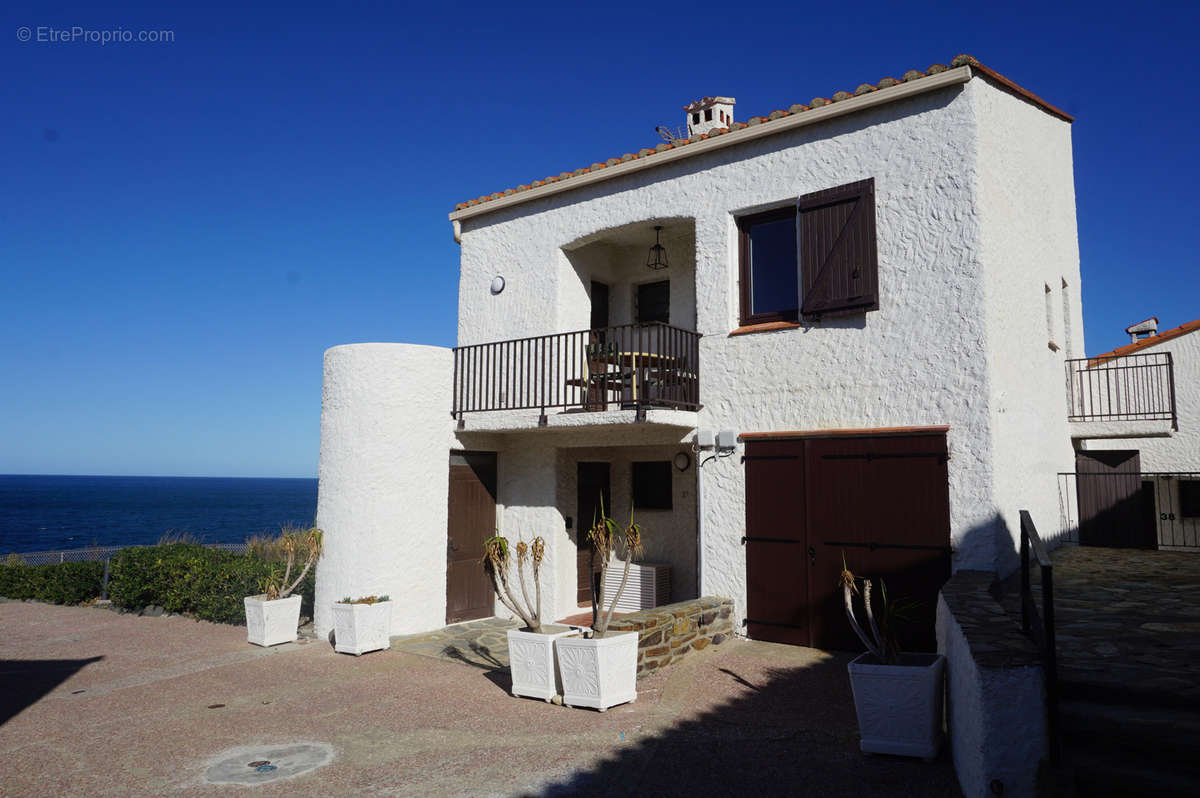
[{"x": 649, "y": 585}]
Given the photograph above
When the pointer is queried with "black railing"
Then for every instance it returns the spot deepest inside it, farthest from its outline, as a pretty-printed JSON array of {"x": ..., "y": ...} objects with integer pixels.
[
  {"x": 1130, "y": 509},
  {"x": 627, "y": 366},
  {"x": 1040, "y": 626},
  {"x": 1127, "y": 388}
]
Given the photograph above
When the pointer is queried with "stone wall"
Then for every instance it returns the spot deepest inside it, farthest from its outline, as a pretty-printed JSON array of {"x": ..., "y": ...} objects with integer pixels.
[{"x": 668, "y": 633}]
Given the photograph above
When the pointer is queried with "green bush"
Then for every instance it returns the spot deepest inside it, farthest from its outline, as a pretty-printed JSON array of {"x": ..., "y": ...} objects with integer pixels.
[
  {"x": 60, "y": 583},
  {"x": 189, "y": 578}
]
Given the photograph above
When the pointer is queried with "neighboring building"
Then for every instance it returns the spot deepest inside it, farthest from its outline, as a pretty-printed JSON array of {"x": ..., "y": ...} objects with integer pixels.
[
  {"x": 1145, "y": 490},
  {"x": 875, "y": 293}
]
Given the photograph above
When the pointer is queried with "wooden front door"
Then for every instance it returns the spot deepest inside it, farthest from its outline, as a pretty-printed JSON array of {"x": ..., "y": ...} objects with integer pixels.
[
  {"x": 1111, "y": 500},
  {"x": 882, "y": 502},
  {"x": 472, "y": 520},
  {"x": 592, "y": 480}
]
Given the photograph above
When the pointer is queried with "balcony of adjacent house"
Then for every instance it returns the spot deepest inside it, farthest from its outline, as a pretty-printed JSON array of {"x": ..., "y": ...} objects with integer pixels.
[
  {"x": 629, "y": 353},
  {"x": 1130, "y": 396}
]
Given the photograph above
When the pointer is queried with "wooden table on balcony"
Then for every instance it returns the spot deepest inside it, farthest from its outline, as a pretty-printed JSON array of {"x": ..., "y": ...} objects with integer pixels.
[{"x": 648, "y": 364}]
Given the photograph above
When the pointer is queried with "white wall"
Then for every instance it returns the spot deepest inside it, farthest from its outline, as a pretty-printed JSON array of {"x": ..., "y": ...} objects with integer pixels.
[
  {"x": 384, "y": 480},
  {"x": 1026, "y": 195}
]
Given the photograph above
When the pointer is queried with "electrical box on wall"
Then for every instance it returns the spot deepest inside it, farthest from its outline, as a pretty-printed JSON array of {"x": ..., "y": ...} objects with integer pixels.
[
  {"x": 704, "y": 439},
  {"x": 726, "y": 440}
]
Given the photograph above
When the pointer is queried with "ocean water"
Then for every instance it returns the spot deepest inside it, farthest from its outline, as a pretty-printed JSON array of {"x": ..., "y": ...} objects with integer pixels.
[{"x": 72, "y": 512}]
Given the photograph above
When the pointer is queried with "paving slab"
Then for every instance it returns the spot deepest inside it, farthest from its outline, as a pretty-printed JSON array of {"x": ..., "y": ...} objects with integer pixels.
[{"x": 100, "y": 704}]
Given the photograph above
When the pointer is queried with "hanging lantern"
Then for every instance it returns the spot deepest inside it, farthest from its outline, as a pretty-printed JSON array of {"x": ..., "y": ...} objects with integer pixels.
[{"x": 657, "y": 259}]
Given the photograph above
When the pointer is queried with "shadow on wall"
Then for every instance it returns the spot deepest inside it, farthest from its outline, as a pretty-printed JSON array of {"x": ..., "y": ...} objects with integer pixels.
[
  {"x": 781, "y": 731},
  {"x": 24, "y": 682}
]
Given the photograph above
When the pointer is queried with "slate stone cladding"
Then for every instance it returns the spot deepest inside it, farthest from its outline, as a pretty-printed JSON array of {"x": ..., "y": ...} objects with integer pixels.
[{"x": 668, "y": 633}]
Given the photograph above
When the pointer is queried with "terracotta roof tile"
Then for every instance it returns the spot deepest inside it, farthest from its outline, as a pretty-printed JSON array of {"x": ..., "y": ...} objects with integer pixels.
[
  {"x": 1129, "y": 349},
  {"x": 816, "y": 102}
]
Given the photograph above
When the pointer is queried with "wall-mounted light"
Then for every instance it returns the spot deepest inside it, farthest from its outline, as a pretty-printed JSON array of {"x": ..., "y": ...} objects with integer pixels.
[
  {"x": 497, "y": 284},
  {"x": 657, "y": 259},
  {"x": 682, "y": 461}
]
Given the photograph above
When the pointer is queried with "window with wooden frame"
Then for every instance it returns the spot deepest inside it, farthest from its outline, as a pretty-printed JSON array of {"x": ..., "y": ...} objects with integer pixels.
[{"x": 816, "y": 258}]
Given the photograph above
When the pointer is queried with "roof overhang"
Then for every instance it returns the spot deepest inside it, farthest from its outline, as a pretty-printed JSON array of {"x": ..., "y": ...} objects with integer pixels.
[{"x": 951, "y": 77}]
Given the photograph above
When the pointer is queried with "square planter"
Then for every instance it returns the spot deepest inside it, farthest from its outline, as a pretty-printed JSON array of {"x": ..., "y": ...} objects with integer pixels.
[
  {"x": 598, "y": 672},
  {"x": 269, "y": 623},
  {"x": 532, "y": 662},
  {"x": 899, "y": 707},
  {"x": 359, "y": 628}
]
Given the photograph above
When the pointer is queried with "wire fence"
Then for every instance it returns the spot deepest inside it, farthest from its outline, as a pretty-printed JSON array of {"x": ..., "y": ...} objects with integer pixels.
[{"x": 96, "y": 553}]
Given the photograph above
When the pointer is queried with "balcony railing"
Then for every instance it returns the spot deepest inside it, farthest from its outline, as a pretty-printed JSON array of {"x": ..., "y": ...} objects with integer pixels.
[
  {"x": 1128, "y": 388},
  {"x": 629, "y": 366}
]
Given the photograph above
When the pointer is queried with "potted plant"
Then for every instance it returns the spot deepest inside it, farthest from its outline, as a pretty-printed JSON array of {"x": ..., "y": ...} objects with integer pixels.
[
  {"x": 599, "y": 670},
  {"x": 362, "y": 624},
  {"x": 273, "y": 616},
  {"x": 897, "y": 696},
  {"x": 531, "y": 648}
]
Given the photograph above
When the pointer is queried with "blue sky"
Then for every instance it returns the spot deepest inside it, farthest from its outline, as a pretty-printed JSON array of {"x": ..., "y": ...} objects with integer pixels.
[{"x": 185, "y": 227}]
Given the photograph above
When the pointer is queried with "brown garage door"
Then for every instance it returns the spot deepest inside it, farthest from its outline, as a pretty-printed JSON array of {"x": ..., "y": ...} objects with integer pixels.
[{"x": 882, "y": 501}]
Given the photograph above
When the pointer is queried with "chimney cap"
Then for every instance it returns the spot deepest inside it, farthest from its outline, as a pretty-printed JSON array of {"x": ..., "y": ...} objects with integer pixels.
[
  {"x": 1149, "y": 325},
  {"x": 708, "y": 102}
]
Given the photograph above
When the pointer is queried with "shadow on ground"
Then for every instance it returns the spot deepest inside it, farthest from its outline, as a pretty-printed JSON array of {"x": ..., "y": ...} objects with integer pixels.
[
  {"x": 24, "y": 682},
  {"x": 783, "y": 731}
]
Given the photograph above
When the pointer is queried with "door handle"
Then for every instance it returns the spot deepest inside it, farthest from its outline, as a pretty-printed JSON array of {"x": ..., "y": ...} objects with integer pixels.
[{"x": 812, "y": 556}]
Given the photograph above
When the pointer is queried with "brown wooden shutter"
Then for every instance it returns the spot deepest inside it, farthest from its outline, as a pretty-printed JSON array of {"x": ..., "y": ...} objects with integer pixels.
[{"x": 838, "y": 266}]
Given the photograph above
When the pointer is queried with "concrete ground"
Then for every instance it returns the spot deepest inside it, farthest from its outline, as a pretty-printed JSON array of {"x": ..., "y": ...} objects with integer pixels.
[{"x": 93, "y": 703}]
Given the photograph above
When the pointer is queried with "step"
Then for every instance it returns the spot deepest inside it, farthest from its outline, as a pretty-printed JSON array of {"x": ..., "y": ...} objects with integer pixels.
[
  {"x": 1151, "y": 732},
  {"x": 1099, "y": 775}
]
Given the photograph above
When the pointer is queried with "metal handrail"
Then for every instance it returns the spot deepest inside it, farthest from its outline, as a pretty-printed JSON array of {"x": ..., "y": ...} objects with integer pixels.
[
  {"x": 1041, "y": 633},
  {"x": 1122, "y": 388},
  {"x": 631, "y": 365}
]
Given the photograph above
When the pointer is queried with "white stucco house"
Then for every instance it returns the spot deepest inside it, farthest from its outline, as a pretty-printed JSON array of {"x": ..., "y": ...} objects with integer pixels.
[
  {"x": 1147, "y": 483},
  {"x": 836, "y": 330}
]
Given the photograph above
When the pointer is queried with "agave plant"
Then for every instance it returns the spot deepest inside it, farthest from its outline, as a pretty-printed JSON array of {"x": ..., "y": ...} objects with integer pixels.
[
  {"x": 497, "y": 562},
  {"x": 880, "y": 636},
  {"x": 307, "y": 544},
  {"x": 606, "y": 538}
]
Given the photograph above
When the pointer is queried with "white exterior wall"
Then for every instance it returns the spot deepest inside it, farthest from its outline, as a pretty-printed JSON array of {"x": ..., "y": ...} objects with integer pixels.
[
  {"x": 1180, "y": 451},
  {"x": 384, "y": 481},
  {"x": 1026, "y": 192},
  {"x": 919, "y": 360}
]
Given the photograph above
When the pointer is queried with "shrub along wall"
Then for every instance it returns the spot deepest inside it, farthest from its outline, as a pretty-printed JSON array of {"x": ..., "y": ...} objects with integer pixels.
[
  {"x": 666, "y": 634},
  {"x": 60, "y": 583},
  {"x": 190, "y": 578}
]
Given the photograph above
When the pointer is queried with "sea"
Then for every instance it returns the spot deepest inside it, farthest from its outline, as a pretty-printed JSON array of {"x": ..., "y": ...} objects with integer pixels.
[{"x": 39, "y": 513}]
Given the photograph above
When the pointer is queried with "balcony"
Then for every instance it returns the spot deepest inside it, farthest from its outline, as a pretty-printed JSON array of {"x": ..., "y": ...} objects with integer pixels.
[
  {"x": 626, "y": 372},
  {"x": 1132, "y": 396}
]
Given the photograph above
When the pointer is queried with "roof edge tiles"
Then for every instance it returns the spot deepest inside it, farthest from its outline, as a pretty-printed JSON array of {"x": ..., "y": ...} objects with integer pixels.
[
  {"x": 1145, "y": 343},
  {"x": 961, "y": 69}
]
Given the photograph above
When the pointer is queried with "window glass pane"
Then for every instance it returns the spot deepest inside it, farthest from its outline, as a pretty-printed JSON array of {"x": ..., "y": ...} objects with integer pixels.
[
  {"x": 652, "y": 486},
  {"x": 773, "y": 286},
  {"x": 654, "y": 302}
]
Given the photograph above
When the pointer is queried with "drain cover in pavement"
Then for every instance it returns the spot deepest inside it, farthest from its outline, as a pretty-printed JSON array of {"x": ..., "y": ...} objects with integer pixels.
[{"x": 267, "y": 763}]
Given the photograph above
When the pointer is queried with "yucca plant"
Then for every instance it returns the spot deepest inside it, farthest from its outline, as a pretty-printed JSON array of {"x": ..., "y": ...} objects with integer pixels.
[
  {"x": 497, "y": 562},
  {"x": 606, "y": 538},
  {"x": 880, "y": 635},
  {"x": 305, "y": 544}
]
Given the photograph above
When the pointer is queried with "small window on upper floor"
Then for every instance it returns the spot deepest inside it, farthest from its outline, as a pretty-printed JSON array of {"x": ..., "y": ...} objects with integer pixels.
[
  {"x": 1051, "y": 335},
  {"x": 813, "y": 259},
  {"x": 652, "y": 486},
  {"x": 707, "y": 114},
  {"x": 696, "y": 118},
  {"x": 653, "y": 302}
]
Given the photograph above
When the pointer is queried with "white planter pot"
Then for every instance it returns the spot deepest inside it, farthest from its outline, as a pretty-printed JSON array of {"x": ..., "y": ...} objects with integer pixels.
[
  {"x": 598, "y": 672},
  {"x": 269, "y": 623},
  {"x": 899, "y": 707},
  {"x": 359, "y": 628},
  {"x": 532, "y": 663}
]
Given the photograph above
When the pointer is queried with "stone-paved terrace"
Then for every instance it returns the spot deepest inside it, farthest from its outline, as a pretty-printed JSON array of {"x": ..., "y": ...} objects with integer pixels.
[{"x": 1129, "y": 620}]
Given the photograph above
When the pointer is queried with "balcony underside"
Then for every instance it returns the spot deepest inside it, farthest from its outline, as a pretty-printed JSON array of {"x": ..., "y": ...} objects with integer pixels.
[
  {"x": 523, "y": 420},
  {"x": 1094, "y": 430}
]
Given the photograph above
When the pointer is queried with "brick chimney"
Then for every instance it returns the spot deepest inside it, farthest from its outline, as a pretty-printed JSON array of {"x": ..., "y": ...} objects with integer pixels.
[{"x": 711, "y": 112}]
